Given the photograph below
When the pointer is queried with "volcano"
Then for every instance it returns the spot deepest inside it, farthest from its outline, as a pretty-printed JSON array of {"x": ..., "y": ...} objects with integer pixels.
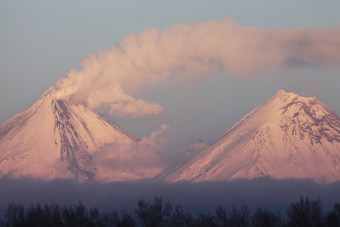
[
  {"x": 57, "y": 139},
  {"x": 288, "y": 136}
]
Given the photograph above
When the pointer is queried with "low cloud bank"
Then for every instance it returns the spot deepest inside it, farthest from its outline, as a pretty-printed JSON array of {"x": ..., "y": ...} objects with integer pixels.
[{"x": 193, "y": 197}]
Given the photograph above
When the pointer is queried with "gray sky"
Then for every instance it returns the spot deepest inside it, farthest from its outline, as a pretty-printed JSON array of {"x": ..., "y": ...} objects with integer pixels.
[{"x": 41, "y": 41}]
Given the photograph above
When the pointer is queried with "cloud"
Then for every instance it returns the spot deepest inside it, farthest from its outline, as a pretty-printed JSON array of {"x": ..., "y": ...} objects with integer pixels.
[
  {"x": 189, "y": 151},
  {"x": 193, "y": 149},
  {"x": 193, "y": 197},
  {"x": 131, "y": 161},
  {"x": 113, "y": 78}
]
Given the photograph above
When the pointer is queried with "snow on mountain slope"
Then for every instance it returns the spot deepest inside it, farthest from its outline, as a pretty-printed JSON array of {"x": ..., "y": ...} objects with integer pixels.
[
  {"x": 288, "y": 136},
  {"x": 56, "y": 139}
]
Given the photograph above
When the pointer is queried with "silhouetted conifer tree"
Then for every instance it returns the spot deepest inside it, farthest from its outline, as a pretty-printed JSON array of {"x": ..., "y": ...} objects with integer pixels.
[
  {"x": 332, "y": 219},
  {"x": 265, "y": 218},
  {"x": 305, "y": 212}
]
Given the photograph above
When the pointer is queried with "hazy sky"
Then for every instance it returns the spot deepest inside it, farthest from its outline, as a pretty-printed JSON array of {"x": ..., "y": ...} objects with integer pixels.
[{"x": 41, "y": 41}]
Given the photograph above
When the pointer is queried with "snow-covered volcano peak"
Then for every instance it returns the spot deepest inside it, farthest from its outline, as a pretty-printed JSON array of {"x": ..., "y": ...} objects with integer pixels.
[
  {"x": 48, "y": 92},
  {"x": 56, "y": 139},
  {"x": 288, "y": 136},
  {"x": 305, "y": 116},
  {"x": 58, "y": 92},
  {"x": 282, "y": 93},
  {"x": 286, "y": 98}
]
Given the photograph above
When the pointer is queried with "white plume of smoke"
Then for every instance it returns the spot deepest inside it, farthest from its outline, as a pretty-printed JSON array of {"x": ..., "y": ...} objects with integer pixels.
[{"x": 112, "y": 78}]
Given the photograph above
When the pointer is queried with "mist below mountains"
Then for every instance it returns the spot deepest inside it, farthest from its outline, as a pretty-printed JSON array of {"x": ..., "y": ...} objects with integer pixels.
[{"x": 192, "y": 197}]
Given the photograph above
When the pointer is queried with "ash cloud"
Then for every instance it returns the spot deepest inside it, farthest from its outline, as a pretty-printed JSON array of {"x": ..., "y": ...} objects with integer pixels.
[{"x": 113, "y": 79}]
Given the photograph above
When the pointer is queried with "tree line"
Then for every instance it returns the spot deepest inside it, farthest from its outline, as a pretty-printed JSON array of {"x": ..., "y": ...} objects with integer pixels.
[{"x": 160, "y": 213}]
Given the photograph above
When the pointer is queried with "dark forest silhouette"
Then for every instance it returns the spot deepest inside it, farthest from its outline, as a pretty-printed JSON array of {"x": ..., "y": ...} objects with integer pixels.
[{"x": 159, "y": 213}]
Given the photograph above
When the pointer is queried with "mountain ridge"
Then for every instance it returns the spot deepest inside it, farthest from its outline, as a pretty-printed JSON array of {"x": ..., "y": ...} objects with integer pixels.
[
  {"x": 287, "y": 136},
  {"x": 54, "y": 138}
]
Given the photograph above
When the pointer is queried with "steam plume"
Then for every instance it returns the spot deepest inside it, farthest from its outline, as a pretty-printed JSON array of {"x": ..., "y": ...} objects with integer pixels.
[{"x": 113, "y": 78}]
